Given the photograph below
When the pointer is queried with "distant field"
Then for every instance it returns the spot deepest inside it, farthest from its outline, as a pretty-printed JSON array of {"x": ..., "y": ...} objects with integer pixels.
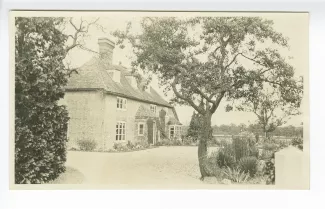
[{"x": 228, "y": 137}]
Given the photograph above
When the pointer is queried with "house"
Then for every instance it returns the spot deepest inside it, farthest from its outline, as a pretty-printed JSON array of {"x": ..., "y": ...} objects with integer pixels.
[{"x": 106, "y": 104}]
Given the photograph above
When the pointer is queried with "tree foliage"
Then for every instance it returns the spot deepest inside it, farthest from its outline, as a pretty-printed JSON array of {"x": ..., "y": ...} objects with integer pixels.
[{"x": 205, "y": 59}]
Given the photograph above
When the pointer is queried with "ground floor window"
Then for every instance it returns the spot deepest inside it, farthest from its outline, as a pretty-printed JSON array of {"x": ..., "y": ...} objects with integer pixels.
[
  {"x": 171, "y": 132},
  {"x": 120, "y": 131},
  {"x": 140, "y": 129},
  {"x": 175, "y": 131}
]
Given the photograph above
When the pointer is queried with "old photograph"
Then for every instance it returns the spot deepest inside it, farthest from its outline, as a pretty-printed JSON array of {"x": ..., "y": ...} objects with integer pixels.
[{"x": 159, "y": 100}]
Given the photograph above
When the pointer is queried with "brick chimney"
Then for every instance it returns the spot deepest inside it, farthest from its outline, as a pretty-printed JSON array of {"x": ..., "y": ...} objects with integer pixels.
[{"x": 106, "y": 47}]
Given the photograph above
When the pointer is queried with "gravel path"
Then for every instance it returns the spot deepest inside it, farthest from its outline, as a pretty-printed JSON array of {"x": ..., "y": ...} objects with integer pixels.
[{"x": 162, "y": 165}]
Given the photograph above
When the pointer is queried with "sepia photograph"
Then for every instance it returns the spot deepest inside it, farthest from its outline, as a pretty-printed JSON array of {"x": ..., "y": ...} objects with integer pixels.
[{"x": 159, "y": 100}]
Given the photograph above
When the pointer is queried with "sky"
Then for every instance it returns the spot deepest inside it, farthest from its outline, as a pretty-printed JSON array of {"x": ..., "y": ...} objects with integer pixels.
[{"x": 294, "y": 26}]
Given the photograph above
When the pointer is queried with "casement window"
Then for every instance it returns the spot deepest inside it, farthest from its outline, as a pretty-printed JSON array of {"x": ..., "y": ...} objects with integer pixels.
[
  {"x": 153, "y": 108},
  {"x": 175, "y": 131},
  {"x": 121, "y": 103},
  {"x": 171, "y": 131},
  {"x": 140, "y": 129},
  {"x": 120, "y": 131}
]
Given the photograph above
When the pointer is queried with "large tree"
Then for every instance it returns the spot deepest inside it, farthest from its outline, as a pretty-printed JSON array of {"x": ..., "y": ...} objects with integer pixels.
[
  {"x": 40, "y": 77},
  {"x": 206, "y": 59}
]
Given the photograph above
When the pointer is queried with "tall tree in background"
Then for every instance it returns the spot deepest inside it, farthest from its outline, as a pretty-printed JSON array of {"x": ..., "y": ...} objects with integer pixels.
[
  {"x": 271, "y": 109},
  {"x": 194, "y": 128},
  {"x": 40, "y": 77},
  {"x": 203, "y": 60}
]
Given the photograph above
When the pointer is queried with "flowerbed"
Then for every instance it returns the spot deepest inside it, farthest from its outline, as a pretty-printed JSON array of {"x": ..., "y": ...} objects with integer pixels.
[
  {"x": 241, "y": 161},
  {"x": 118, "y": 147}
]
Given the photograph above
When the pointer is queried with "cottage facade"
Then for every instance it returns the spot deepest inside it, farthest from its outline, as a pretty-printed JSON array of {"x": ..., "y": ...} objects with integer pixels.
[{"x": 106, "y": 104}]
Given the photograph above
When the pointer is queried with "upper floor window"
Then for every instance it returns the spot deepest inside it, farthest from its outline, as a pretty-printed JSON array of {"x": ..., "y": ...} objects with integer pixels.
[
  {"x": 121, "y": 103},
  {"x": 153, "y": 108}
]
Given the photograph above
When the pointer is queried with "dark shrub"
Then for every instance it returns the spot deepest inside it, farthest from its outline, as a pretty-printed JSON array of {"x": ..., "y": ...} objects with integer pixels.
[
  {"x": 241, "y": 147},
  {"x": 86, "y": 144},
  {"x": 177, "y": 143},
  {"x": 248, "y": 165},
  {"x": 225, "y": 157},
  {"x": 40, "y": 123},
  {"x": 298, "y": 142},
  {"x": 253, "y": 151}
]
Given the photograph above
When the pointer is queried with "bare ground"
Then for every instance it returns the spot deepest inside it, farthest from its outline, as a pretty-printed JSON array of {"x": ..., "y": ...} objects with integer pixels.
[{"x": 162, "y": 165}]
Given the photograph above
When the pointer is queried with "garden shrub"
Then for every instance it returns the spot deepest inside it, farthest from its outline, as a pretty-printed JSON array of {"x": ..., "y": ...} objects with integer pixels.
[
  {"x": 86, "y": 144},
  {"x": 266, "y": 155},
  {"x": 253, "y": 151},
  {"x": 141, "y": 145},
  {"x": 298, "y": 142},
  {"x": 248, "y": 165},
  {"x": 270, "y": 146},
  {"x": 236, "y": 175},
  {"x": 120, "y": 147},
  {"x": 130, "y": 145},
  {"x": 270, "y": 172}
]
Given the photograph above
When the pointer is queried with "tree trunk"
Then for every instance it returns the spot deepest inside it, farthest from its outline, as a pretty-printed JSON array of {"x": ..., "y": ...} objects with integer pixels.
[{"x": 202, "y": 149}]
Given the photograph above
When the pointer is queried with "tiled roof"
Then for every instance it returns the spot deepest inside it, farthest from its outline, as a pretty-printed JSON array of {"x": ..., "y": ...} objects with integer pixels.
[
  {"x": 144, "y": 113},
  {"x": 173, "y": 121},
  {"x": 93, "y": 75}
]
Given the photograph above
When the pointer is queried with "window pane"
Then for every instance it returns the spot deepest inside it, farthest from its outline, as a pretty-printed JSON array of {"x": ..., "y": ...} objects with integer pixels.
[
  {"x": 141, "y": 128},
  {"x": 116, "y": 138},
  {"x": 123, "y": 137}
]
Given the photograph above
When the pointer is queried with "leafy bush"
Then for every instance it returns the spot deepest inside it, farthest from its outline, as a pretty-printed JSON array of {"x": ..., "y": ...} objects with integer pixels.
[
  {"x": 282, "y": 144},
  {"x": 270, "y": 146},
  {"x": 130, "y": 145},
  {"x": 266, "y": 155},
  {"x": 138, "y": 145},
  {"x": 298, "y": 142},
  {"x": 40, "y": 123},
  {"x": 120, "y": 147},
  {"x": 141, "y": 145},
  {"x": 167, "y": 142},
  {"x": 86, "y": 144},
  {"x": 187, "y": 142},
  {"x": 248, "y": 165},
  {"x": 164, "y": 142},
  {"x": 236, "y": 175}
]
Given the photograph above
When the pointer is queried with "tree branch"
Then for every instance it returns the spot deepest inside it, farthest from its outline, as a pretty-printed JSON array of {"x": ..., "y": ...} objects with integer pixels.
[
  {"x": 217, "y": 102},
  {"x": 188, "y": 100}
]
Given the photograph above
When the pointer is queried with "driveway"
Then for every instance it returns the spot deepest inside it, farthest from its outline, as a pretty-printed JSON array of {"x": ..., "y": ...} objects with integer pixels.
[{"x": 162, "y": 165}]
